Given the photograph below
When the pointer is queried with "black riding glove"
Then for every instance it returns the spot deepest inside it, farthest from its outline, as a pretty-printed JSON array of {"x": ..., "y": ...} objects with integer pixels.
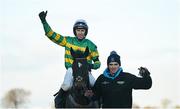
[
  {"x": 90, "y": 66},
  {"x": 143, "y": 72},
  {"x": 42, "y": 16}
]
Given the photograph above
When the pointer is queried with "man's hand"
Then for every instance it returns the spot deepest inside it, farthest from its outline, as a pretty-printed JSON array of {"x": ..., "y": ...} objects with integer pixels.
[
  {"x": 42, "y": 16},
  {"x": 143, "y": 72}
]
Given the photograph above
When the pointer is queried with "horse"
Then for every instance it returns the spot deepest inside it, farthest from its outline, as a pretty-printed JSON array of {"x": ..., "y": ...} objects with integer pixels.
[{"x": 76, "y": 95}]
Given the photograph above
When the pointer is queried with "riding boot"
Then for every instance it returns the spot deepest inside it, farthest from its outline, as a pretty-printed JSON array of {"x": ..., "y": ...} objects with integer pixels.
[{"x": 60, "y": 99}]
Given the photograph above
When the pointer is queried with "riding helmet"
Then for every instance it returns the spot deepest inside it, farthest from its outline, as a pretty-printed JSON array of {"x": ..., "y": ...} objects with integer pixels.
[{"x": 80, "y": 24}]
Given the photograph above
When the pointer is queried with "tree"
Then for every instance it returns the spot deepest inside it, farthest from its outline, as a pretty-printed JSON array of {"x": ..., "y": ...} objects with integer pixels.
[
  {"x": 15, "y": 97},
  {"x": 165, "y": 102}
]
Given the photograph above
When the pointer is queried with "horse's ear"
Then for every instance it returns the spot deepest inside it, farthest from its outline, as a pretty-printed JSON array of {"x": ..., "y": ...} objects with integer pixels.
[
  {"x": 72, "y": 52},
  {"x": 86, "y": 53}
]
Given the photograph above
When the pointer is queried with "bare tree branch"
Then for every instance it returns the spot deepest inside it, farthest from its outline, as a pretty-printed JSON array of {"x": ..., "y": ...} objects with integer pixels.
[{"x": 15, "y": 97}]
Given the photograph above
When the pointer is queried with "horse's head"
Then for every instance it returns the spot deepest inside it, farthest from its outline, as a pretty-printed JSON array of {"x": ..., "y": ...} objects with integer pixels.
[{"x": 80, "y": 68}]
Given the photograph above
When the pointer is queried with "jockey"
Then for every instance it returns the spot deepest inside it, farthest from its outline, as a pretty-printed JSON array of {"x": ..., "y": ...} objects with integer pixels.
[{"x": 79, "y": 42}]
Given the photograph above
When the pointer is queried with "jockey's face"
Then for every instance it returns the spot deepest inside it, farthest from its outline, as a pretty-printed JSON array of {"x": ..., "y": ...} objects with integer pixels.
[
  {"x": 113, "y": 67},
  {"x": 80, "y": 33}
]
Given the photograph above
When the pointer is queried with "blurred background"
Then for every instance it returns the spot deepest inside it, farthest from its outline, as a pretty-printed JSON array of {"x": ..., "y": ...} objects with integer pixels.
[{"x": 144, "y": 33}]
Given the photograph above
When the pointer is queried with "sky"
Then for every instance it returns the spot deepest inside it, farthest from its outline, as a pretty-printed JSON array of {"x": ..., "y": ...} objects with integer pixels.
[{"x": 143, "y": 32}]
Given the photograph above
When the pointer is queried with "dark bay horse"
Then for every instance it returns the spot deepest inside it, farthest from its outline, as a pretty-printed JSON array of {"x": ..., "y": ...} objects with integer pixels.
[{"x": 76, "y": 96}]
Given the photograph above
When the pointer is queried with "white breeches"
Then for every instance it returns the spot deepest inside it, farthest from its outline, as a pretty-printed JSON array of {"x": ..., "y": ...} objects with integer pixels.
[{"x": 68, "y": 80}]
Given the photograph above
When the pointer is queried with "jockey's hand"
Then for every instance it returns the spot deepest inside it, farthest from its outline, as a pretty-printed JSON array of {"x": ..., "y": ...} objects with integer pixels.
[
  {"x": 42, "y": 16},
  {"x": 90, "y": 66},
  {"x": 143, "y": 72},
  {"x": 88, "y": 93}
]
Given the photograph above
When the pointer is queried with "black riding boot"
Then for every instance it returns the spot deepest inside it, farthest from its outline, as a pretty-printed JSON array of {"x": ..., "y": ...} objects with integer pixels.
[{"x": 60, "y": 99}]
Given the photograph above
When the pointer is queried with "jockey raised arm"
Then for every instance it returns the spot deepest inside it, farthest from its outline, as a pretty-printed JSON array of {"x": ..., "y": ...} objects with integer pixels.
[{"x": 78, "y": 42}]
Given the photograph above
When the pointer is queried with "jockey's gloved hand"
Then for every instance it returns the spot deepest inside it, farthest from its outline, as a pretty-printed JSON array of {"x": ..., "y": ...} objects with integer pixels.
[
  {"x": 90, "y": 66},
  {"x": 143, "y": 72},
  {"x": 42, "y": 16}
]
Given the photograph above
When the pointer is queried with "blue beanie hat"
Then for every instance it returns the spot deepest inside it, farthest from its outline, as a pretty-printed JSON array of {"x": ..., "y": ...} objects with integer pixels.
[{"x": 113, "y": 57}]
